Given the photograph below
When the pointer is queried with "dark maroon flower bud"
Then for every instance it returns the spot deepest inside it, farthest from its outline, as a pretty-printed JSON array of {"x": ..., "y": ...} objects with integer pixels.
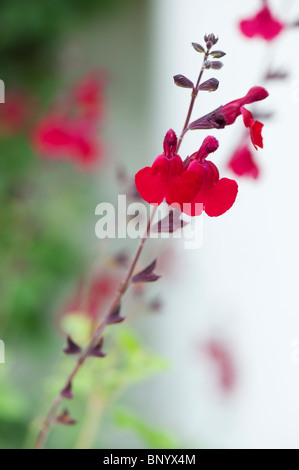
[
  {"x": 96, "y": 351},
  {"x": 64, "y": 418},
  {"x": 147, "y": 275},
  {"x": 182, "y": 81},
  {"x": 115, "y": 316},
  {"x": 210, "y": 85},
  {"x": 209, "y": 45},
  {"x": 170, "y": 143},
  {"x": 198, "y": 47},
  {"x": 214, "y": 120},
  {"x": 217, "y": 54},
  {"x": 72, "y": 348},
  {"x": 211, "y": 38},
  {"x": 67, "y": 392},
  {"x": 216, "y": 65},
  {"x": 207, "y": 64}
]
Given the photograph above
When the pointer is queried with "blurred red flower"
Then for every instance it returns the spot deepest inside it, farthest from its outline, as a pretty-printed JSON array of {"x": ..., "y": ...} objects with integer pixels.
[
  {"x": 70, "y": 130},
  {"x": 220, "y": 355},
  {"x": 242, "y": 162},
  {"x": 16, "y": 112},
  {"x": 58, "y": 137},
  {"x": 93, "y": 300},
  {"x": 89, "y": 93},
  {"x": 263, "y": 25}
]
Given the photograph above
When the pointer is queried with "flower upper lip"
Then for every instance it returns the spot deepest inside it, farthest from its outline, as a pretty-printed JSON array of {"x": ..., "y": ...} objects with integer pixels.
[{"x": 263, "y": 24}]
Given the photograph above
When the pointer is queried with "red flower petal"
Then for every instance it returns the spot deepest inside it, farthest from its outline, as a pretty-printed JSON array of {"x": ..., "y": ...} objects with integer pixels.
[
  {"x": 151, "y": 185},
  {"x": 247, "y": 117},
  {"x": 215, "y": 197},
  {"x": 256, "y": 134},
  {"x": 182, "y": 189},
  {"x": 52, "y": 137},
  {"x": 255, "y": 128},
  {"x": 166, "y": 179},
  {"x": 221, "y": 197}
]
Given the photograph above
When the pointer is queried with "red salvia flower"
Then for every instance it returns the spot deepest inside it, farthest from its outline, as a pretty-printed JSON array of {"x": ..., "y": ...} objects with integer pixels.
[
  {"x": 242, "y": 162},
  {"x": 70, "y": 131},
  {"x": 233, "y": 109},
  {"x": 215, "y": 195},
  {"x": 167, "y": 178},
  {"x": 227, "y": 115},
  {"x": 263, "y": 25},
  {"x": 194, "y": 185},
  {"x": 59, "y": 137}
]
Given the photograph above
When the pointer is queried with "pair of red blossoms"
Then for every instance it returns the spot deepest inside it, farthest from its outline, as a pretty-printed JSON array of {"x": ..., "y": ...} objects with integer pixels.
[{"x": 195, "y": 185}]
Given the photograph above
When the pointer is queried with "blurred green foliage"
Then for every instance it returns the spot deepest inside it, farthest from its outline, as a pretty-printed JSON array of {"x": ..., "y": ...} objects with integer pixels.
[
  {"x": 30, "y": 32},
  {"x": 98, "y": 387},
  {"x": 44, "y": 211},
  {"x": 152, "y": 437}
]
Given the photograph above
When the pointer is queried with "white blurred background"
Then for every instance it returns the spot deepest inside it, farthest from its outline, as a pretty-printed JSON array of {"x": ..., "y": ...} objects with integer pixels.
[{"x": 242, "y": 285}]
